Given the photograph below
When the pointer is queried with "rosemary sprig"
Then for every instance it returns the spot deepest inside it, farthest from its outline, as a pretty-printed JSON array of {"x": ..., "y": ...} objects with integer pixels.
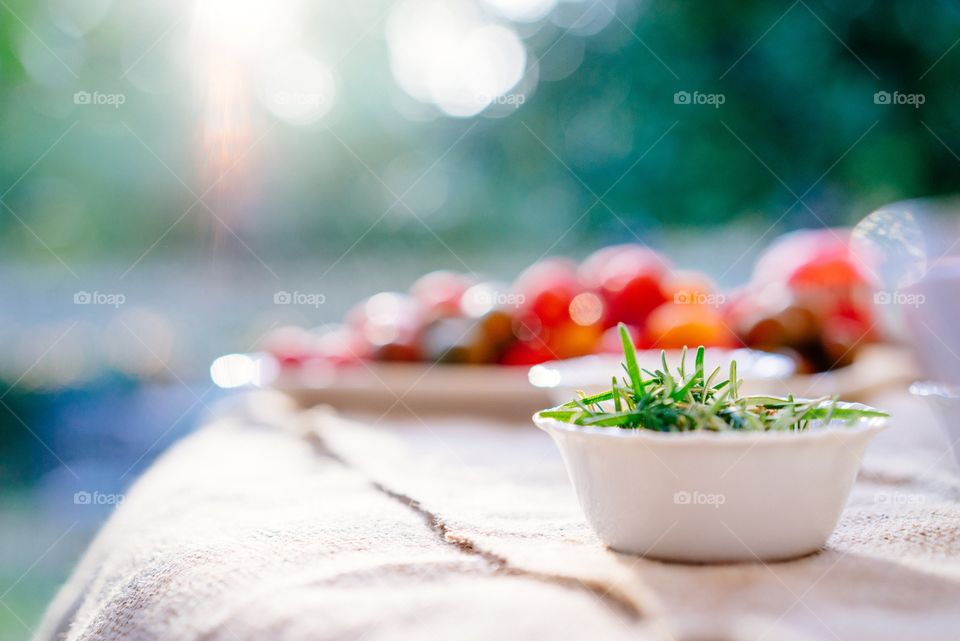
[{"x": 666, "y": 403}]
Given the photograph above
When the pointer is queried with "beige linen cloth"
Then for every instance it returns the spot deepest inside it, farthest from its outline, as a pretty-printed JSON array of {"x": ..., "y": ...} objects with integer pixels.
[{"x": 288, "y": 525}]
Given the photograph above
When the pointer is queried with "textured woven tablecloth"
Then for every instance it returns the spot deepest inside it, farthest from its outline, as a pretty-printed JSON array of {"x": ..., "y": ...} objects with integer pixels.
[{"x": 274, "y": 523}]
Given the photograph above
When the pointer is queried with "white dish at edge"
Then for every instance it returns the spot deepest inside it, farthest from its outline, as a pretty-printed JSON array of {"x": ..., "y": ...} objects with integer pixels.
[{"x": 945, "y": 399}]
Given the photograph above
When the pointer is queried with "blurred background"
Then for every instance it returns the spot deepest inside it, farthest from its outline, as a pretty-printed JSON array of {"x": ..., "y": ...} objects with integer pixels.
[{"x": 168, "y": 167}]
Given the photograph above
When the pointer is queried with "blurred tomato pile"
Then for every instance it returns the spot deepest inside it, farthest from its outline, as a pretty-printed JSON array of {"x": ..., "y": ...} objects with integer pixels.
[{"x": 809, "y": 298}]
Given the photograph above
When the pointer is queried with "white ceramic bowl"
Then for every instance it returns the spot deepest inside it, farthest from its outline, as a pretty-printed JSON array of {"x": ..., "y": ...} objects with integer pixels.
[{"x": 713, "y": 497}]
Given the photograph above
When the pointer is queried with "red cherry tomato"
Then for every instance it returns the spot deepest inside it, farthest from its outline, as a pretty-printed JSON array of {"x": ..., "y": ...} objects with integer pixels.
[
  {"x": 526, "y": 353},
  {"x": 629, "y": 278},
  {"x": 390, "y": 324},
  {"x": 689, "y": 286},
  {"x": 439, "y": 292},
  {"x": 547, "y": 288},
  {"x": 808, "y": 258},
  {"x": 291, "y": 346},
  {"x": 341, "y": 344},
  {"x": 675, "y": 325},
  {"x": 841, "y": 337},
  {"x": 571, "y": 339}
]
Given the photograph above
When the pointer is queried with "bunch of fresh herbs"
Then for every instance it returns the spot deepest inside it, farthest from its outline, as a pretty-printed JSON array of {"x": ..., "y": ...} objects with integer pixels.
[{"x": 663, "y": 402}]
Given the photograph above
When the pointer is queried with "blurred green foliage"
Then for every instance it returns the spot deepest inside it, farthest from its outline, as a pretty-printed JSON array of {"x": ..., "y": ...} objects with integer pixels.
[{"x": 798, "y": 119}]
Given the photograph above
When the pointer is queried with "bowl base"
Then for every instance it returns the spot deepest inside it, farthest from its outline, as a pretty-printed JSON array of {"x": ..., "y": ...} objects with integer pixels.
[{"x": 720, "y": 559}]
